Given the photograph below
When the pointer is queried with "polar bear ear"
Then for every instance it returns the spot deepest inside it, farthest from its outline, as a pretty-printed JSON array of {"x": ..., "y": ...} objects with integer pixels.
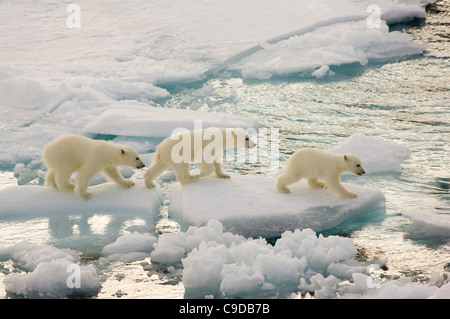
[
  {"x": 123, "y": 152},
  {"x": 345, "y": 157},
  {"x": 235, "y": 131}
]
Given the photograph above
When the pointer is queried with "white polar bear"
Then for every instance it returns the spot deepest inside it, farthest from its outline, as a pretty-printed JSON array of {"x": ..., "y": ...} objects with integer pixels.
[
  {"x": 312, "y": 163},
  {"x": 74, "y": 153},
  {"x": 202, "y": 147}
]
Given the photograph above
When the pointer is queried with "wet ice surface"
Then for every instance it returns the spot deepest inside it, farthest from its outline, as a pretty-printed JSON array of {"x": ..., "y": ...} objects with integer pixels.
[{"x": 330, "y": 92}]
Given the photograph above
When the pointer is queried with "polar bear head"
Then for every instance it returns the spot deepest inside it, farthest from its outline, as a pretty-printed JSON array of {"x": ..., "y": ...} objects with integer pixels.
[
  {"x": 240, "y": 139},
  {"x": 353, "y": 164},
  {"x": 130, "y": 157}
]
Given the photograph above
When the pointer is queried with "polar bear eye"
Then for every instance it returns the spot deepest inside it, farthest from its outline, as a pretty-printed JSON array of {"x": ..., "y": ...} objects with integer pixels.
[
  {"x": 137, "y": 159},
  {"x": 358, "y": 165}
]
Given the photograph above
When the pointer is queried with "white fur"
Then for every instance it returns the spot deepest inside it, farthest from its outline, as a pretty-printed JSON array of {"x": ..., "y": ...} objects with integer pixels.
[
  {"x": 311, "y": 163},
  {"x": 74, "y": 153},
  {"x": 202, "y": 147}
]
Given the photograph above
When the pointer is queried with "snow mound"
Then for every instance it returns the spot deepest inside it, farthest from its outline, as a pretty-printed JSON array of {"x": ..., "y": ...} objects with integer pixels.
[
  {"x": 250, "y": 205},
  {"x": 34, "y": 200},
  {"x": 371, "y": 150},
  {"x": 50, "y": 272},
  {"x": 160, "y": 122}
]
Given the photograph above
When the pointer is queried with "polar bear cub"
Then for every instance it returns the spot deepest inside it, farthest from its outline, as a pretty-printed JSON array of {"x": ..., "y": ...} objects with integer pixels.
[
  {"x": 74, "y": 153},
  {"x": 312, "y": 163},
  {"x": 203, "y": 147}
]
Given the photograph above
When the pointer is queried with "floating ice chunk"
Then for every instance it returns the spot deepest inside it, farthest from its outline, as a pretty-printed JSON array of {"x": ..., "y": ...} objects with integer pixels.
[
  {"x": 335, "y": 44},
  {"x": 130, "y": 247},
  {"x": 322, "y": 72},
  {"x": 377, "y": 155},
  {"x": 223, "y": 264},
  {"x": 428, "y": 225},
  {"x": 171, "y": 248},
  {"x": 159, "y": 122},
  {"x": 321, "y": 286},
  {"x": 250, "y": 205},
  {"x": 402, "y": 288},
  {"x": 397, "y": 12},
  {"x": 119, "y": 90},
  {"x": 51, "y": 272},
  {"x": 33, "y": 200}
]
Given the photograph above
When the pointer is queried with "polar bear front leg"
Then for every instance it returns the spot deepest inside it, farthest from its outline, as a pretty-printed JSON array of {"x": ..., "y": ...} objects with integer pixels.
[
  {"x": 156, "y": 168},
  {"x": 219, "y": 171},
  {"x": 341, "y": 191},
  {"x": 84, "y": 178},
  {"x": 114, "y": 175}
]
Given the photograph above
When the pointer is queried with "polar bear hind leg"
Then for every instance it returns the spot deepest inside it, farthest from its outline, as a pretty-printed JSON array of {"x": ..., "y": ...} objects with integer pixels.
[
  {"x": 287, "y": 178},
  {"x": 63, "y": 183},
  {"x": 315, "y": 183},
  {"x": 183, "y": 175}
]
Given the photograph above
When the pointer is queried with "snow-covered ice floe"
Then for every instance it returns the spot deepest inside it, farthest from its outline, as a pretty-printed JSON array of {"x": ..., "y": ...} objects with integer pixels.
[
  {"x": 34, "y": 201},
  {"x": 371, "y": 150},
  {"x": 249, "y": 205},
  {"x": 427, "y": 225},
  {"x": 160, "y": 122}
]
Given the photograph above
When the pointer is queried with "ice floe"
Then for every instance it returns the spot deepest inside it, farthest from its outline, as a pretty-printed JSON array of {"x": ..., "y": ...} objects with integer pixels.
[
  {"x": 160, "y": 122},
  {"x": 35, "y": 200},
  {"x": 376, "y": 154},
  {"x": 250, "y": 205}
]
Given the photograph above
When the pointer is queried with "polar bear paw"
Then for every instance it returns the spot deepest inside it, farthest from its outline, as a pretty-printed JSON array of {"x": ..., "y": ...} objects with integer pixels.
[
  {"x": 127, "y": 183},
  {"x": 86, "y": 196},
  {"x": 223, "y": 175},
  {"x": 349, "y": 195}
]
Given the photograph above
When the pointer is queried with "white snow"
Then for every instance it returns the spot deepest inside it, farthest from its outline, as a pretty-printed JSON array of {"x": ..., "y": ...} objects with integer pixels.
[
  {"x": 250, "y": 205},
  {"x": 371, "y": 150},
  {"x": 34, "y": 201}
]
